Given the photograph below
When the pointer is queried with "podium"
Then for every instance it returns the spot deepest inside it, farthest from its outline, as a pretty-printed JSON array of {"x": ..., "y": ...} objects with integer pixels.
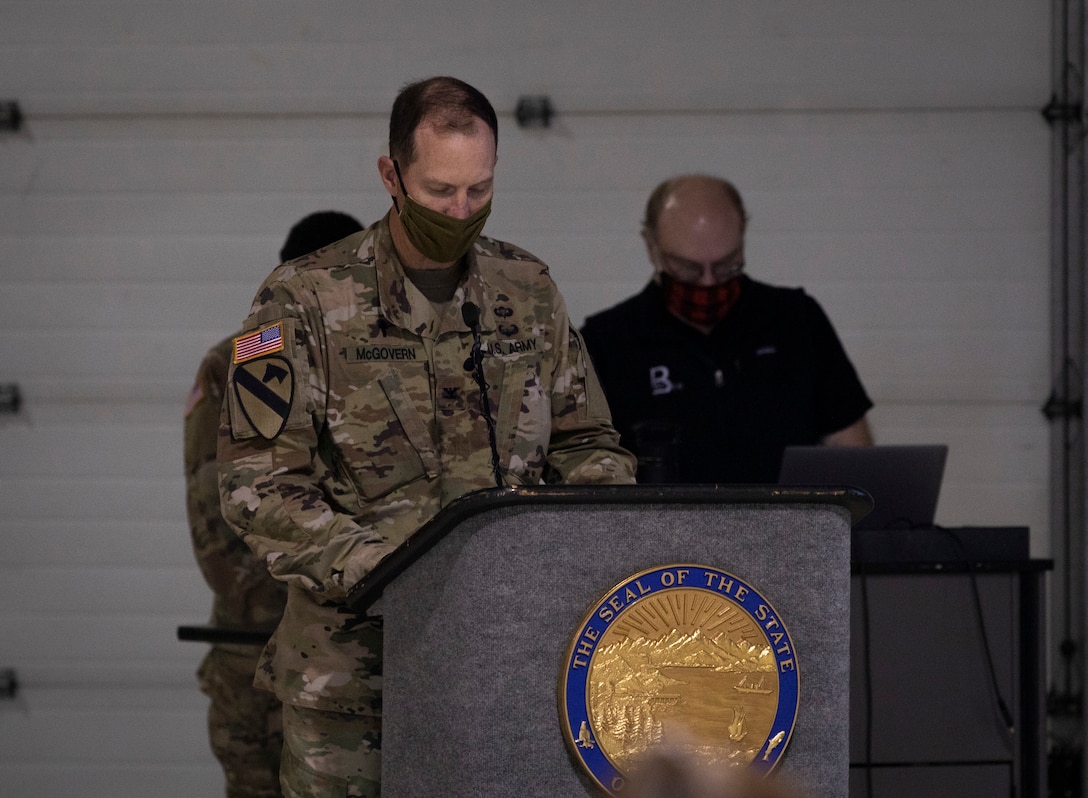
[{"x": 481, "y": 605}]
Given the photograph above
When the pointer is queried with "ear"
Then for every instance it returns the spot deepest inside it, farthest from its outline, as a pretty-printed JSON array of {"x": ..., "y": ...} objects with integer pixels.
[
  {"x": 651, "y": 248},
  {"x": 647, "y": 237},
  {"x": 388, "y": 175}
]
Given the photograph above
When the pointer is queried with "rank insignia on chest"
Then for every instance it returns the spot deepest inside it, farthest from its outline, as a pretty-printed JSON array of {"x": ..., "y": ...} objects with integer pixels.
[
  {"x": 685, "y": 650},
  {"x": 265, "y": 389}
]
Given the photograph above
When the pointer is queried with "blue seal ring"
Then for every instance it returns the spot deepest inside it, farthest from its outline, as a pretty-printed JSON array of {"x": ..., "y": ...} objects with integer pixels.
[{"x": 576, "y": 716}]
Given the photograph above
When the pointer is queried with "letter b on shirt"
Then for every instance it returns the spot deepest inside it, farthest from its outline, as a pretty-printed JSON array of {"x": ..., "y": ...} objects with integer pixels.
[{"x": 660, "y": 382}]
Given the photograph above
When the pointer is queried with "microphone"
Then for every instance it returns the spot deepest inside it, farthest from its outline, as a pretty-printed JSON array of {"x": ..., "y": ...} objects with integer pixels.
[{"x": 470, "y": 313}]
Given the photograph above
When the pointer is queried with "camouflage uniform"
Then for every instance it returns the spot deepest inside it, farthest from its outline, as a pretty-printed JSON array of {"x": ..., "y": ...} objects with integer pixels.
[
  {"x": 244, "y": 723},
  {"x": 339, "y": 445}
]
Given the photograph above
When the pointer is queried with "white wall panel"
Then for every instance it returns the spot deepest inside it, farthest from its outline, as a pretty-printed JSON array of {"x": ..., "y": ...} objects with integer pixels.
[
  {"x": 207, "y": 56},
  {"x": 114, "y": 590},
  {"x": 143, "y": 306},
  {"x": 97, "y": 779},
  {"x": 85, "y": 647},
  {"x": 89, "y": 651},
  {"x": 42, "y": 451},
  {"x": 154, "y": 709},
  {"x": 34, "y": 542},
  {"x": 107, "y": 497}
]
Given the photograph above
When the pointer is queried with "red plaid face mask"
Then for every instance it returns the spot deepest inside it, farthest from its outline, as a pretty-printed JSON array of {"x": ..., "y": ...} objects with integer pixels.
[{"x": 702, "y": 305}]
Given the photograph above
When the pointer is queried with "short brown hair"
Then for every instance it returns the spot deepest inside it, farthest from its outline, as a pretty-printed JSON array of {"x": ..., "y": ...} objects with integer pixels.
[{"x": 451, "y": 103}]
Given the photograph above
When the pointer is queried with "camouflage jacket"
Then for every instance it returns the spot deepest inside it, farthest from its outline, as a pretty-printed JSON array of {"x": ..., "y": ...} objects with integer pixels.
[
  {"x": 245, "y": 594},
  {"x": 352, "y": 419}
]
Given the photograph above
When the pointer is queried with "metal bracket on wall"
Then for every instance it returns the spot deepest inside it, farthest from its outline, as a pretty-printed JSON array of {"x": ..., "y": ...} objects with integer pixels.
[
  {"x": 11, "y": 398},
  {"x": 534, "y": 111},
  {"x": 11, "y": 116},
  {"x": 1057, "y": 111},
  {"x": 9, "y": 685},
  {"x": 1058, "y": 408}
]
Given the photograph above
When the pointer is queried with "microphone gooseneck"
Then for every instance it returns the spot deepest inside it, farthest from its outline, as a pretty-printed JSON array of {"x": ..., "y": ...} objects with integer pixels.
[{"x": 470, "y": 313}]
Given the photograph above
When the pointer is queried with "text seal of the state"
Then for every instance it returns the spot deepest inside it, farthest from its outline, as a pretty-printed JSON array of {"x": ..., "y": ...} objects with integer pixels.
[{"x": 685, "y": 655}]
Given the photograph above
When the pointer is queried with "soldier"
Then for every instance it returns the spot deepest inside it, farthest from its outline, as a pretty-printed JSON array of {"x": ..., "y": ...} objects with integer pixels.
[
  {"x": 243, "y": 722},
  {"x": 354, "y": 417}
]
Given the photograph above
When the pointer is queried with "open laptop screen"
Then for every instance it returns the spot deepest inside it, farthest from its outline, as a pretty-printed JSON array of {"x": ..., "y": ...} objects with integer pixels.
[{"x": 904, "y": 480}]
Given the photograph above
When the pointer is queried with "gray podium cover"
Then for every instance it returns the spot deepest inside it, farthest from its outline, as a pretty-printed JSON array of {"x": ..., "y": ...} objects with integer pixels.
[{"x": 480, "y": 608}]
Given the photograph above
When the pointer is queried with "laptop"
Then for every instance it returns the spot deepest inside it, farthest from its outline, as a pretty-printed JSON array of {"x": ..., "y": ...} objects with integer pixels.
[{"x": 904, "y": 480}]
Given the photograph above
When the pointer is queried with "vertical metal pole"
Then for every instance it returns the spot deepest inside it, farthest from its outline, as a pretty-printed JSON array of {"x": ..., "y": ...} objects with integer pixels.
[
  {"x": 1064, "y": 407},
  {"x": 1032, "y": 723}
]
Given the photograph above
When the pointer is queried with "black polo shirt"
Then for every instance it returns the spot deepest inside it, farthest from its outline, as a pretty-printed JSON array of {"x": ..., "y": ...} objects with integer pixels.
[{"x": 722, "y": 407}]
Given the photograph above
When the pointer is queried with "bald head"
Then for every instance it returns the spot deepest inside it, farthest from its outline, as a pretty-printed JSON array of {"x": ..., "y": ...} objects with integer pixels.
[{"x": 694, "y": 195}]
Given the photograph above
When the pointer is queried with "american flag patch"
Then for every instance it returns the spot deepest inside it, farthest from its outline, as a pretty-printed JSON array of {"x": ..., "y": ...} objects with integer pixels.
[{"x": 255, "y": 344}]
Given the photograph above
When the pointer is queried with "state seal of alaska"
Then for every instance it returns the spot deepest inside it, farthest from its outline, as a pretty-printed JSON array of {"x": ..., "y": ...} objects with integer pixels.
[{"x": 685, "y": 655}]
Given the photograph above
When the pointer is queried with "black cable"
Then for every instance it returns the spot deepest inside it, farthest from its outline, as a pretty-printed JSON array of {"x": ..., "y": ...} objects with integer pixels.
[
  {"x": 1002, "y": 707},
  {"x": 471, "y": 315}
]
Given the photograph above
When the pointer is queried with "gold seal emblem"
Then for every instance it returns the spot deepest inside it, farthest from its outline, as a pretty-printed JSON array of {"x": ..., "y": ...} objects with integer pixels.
[{"x": 681, "y": 654}]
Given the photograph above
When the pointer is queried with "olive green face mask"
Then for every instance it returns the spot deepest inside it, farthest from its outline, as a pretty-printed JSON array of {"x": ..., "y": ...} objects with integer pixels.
[{"x": 439, "y": 237}]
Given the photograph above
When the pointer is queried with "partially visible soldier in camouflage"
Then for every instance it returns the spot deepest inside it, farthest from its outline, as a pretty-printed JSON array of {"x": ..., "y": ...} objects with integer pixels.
[
  {"x": 243, "y": 721},
  {"x": 354, "y": 415}
]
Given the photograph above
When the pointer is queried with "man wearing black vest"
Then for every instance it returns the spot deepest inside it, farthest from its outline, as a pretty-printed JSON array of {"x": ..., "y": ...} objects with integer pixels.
[{"x": 710, "y": 374}]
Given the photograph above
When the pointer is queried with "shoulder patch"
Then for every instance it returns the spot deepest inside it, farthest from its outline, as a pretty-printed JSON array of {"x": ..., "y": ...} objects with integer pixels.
[
  {"x": 259, "y": 343},
  {"x": 265, "y": 389}
]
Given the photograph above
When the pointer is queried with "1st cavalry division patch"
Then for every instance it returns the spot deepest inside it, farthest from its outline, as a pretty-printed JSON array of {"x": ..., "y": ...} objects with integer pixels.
[
  {"x": 264, "y": 382},
  {"x": 685, "y": 655}
]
